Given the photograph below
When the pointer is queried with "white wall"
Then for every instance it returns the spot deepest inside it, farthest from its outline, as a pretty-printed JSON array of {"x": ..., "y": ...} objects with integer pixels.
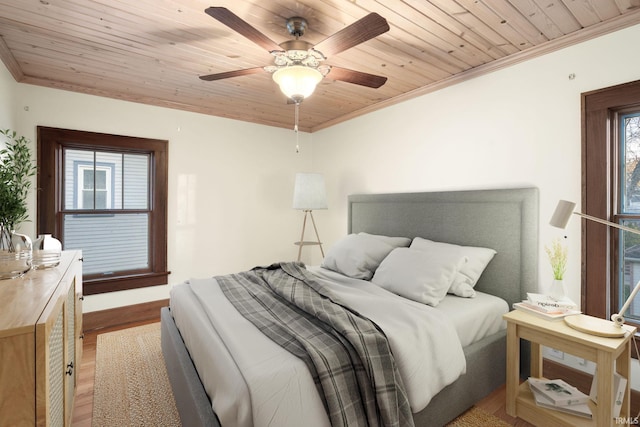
[
  {"x": 230, "y": 183},
  {"x": 519, "y": 126}
]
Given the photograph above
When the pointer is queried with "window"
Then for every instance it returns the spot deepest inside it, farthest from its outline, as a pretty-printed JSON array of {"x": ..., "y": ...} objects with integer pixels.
[
  {"x": 106, "y": 195},
  {"x": 611, "y": 190},
  {"x": 628, "y": 265},
  {"x": 93, "y": 190}
]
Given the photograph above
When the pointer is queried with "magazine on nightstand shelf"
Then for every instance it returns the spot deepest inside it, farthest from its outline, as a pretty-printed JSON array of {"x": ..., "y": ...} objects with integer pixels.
[
  {"x": 558, "y": 392},
  {"x": 545, "y": 398},
  {"x": 581, "y": 410}
]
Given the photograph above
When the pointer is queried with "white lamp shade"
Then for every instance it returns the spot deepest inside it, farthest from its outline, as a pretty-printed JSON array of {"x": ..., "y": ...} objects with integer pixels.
[
  {"x": 562, "y": 214},
  {"x": 309, "y": 192},
  {"x": 297, "y": 81}
]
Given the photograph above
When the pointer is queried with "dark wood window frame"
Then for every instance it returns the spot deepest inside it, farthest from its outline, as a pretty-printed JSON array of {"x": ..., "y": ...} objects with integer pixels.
[
  {"x": 51, "y": 142},
  {"x": 599, "y": 174}
]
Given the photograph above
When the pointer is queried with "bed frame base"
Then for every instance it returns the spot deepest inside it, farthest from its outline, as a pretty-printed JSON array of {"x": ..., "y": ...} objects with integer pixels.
[
  {"x": 191, "y": 399},
  {"x": 485, "y": 372}
]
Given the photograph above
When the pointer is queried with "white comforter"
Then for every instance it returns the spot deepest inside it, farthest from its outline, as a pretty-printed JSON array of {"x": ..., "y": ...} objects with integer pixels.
[{"x": 279, "y": 389}]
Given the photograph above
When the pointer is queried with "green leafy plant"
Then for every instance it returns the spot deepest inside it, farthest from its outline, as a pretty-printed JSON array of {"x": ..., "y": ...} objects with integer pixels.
[
  {"x": 16, "y": 170},
  {"x": 557, "y": 254}
]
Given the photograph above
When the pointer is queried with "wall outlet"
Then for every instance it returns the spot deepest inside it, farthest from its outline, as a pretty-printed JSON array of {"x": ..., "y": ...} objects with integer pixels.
[{"x": 556, "y": 353}]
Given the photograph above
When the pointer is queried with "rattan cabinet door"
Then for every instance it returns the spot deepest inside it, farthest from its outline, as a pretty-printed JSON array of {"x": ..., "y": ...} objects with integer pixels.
[{"x": 50, "y": 361}]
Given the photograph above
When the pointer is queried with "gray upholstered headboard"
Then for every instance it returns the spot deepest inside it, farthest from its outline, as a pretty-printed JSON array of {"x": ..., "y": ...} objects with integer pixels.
[{"x": 505, "y": 220}]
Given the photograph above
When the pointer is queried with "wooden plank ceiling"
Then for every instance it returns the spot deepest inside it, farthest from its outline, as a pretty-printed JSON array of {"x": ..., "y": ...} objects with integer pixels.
[{"x": 153, "y": 51}]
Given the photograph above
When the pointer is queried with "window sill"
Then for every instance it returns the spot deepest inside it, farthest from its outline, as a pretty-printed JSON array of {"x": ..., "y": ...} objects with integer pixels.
[{"x": 120, "y": 283}]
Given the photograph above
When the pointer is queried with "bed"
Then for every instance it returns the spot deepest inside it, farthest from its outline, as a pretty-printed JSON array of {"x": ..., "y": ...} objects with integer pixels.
[{"x": 505, "y": 220}]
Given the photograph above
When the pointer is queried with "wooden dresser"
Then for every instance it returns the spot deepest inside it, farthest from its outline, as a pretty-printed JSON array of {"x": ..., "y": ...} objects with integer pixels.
[{"x": 41, "y": 344}]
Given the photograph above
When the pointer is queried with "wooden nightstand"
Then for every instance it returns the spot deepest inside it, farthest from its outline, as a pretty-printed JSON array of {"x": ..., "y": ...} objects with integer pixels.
[{"x": 607, "y": 353}]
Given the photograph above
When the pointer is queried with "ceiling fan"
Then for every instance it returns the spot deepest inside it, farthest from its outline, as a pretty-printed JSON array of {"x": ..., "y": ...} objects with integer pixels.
[{"x": 298, "y": 64}]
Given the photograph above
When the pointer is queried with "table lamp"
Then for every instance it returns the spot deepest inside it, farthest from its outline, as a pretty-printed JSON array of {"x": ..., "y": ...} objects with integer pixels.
[
  {"x": 309, "y": 194},
  {"x": 588, "y": 324}
]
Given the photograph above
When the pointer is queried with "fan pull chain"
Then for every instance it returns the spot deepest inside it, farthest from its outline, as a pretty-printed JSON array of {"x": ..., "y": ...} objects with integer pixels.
[{"x": 295, "y": 128}]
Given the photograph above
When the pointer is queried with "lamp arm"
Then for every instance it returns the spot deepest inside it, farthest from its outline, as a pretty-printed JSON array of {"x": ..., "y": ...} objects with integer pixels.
[
  {"x": 617, "y": 318},
  {"x": 609, "y": 223}
]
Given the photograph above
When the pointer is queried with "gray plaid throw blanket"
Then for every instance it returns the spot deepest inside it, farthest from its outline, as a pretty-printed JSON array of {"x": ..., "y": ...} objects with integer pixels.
[{"x": 347, "y": 354}]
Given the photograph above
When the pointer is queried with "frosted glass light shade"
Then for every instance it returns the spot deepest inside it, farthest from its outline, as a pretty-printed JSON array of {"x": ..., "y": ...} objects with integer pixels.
[
  {"x": 297, "y": 81},
  {"x": 309, "y": 192}
]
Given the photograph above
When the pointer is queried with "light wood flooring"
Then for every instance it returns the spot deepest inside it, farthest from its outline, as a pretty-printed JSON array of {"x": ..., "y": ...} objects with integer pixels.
[{"x": 494, "y": 403}]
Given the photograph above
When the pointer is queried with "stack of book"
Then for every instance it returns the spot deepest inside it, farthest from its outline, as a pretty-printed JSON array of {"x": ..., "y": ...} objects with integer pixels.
[
  {"x": 560, "y": 396},
  {"x": 547, "y": 307}
]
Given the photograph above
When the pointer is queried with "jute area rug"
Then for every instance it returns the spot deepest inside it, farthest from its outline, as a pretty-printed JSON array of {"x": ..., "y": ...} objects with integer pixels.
[
  {"x": 131, "y": 385},
  {"x": 132, "y": 388},
  {"x": 476, "y": 417}
]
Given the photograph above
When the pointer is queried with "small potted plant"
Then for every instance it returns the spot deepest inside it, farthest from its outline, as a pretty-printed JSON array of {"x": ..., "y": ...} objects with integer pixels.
[
  {"x": 16, "y": 170},
  {"x": 557, "y": 254}
]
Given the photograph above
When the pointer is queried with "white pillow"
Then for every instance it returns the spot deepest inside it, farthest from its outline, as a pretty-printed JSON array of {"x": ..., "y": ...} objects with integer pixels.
[
  {"x": 358, "y": 255},
  {"x": 396, "y": 242},
  {"x": 477, "y": 259},
  {"x": 462, "y": 289},
  {"x": 420, "y": 275}
]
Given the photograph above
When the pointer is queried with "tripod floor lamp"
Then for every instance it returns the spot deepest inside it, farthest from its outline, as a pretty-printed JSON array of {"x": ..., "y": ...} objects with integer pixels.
[
  {"x": 588, "y": 324},
  {"x": 309, "y": 194}
]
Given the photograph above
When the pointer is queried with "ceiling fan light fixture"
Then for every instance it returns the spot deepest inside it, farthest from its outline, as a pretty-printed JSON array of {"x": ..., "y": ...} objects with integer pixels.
[{"x": 297, "y": 81}]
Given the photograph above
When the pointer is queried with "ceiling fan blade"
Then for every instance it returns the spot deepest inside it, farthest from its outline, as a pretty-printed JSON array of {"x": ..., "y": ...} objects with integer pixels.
[
  {"x": 236, "y": 73},
  {"x": 234, "y": 22},
  {"x": 356, "y": 77},
  {"x": 360, "y": 31}
]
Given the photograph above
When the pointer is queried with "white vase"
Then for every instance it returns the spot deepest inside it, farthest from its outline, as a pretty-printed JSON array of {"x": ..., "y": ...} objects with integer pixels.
[
  {"x": 556, "y": 290},
  {"x": 47, "y": 251}
]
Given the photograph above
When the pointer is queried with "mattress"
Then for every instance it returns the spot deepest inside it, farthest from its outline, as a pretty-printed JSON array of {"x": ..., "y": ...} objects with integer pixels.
[
  {"x": 289, "y": 395},
  {"x": 472, "y": 318}
]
